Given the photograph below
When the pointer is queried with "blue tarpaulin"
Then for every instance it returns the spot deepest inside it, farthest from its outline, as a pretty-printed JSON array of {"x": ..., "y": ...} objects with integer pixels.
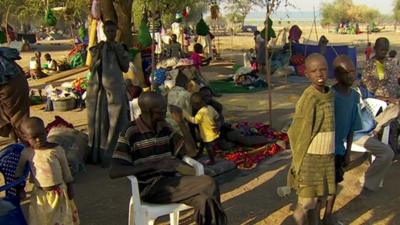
[{"x": 331, "y": 53}]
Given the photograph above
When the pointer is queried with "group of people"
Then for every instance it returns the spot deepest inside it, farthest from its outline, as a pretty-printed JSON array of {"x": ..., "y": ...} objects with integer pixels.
[
  {"x": 167, "y": 127},
  {"x": 37, "y": 70},
  {"x": 328, "y": 120}
]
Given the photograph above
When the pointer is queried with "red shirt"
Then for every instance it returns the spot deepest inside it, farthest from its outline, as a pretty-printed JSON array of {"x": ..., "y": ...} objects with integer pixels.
[{"x": 196, "y": 60}]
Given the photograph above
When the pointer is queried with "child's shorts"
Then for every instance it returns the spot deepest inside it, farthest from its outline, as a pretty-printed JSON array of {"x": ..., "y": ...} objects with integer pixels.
[{"x": 316, "y": 176}]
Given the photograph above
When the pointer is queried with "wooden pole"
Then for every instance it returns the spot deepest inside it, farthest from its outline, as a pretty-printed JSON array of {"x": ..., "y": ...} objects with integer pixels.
[
  {"x": 92, "y": 39},
  {"x": 7, "y": 34},
  {"x": 267, "y": 63},
  {"x": 315, "y": 25},
  {"x": 153, "y": 57}
]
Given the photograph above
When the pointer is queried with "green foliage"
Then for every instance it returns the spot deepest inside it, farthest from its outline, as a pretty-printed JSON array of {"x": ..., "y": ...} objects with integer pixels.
[
  {"x": 239, "y": 9},
  {"x": 32, "y": 11},
  {"x": 396, "y": 10},
  {"x": 346, "y": 11},
  {"x": 168, "y": 9}
]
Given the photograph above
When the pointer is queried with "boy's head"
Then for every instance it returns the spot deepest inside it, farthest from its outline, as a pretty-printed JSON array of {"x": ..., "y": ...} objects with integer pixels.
[
  {"x": 174, "y": 38},
  {"x": 110, "y": 30},
  {"x": 251, "y": 50},
  {"x": 316, "y": 70},
  {"x": 153, "y": 106},
  {"x": 34, "y": 132},
  {"x": 369, "y": 44},
  {"x": 198, "y": 48},
  {"x": 197, "y": 101},
  {"x": 392, "y": 54},
  {"x": 345, "y": 71},
  {"x": 206, "y": 94},
  {"x": 47, "y": 57},
  {"x": 381, "y": 48}
]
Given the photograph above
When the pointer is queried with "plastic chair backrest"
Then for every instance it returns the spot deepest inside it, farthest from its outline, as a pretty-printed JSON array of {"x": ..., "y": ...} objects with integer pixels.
[
  {"x": 375, "y": 105},
  {"x": 9, "y": 158}
]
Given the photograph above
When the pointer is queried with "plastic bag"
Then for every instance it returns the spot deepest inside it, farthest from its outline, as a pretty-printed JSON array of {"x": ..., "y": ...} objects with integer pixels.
[
  {"x": 50, "y": 19},
  {"x": 271, "y": 31},
  {"x": 144, "y": 35},
  {"x": 202, "y": 28}
]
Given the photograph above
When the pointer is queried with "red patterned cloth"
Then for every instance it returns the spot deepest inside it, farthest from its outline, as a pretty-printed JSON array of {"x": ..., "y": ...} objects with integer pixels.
[
  {"x": 58, "y": 122},
  {"x": 250, "y": 158}
]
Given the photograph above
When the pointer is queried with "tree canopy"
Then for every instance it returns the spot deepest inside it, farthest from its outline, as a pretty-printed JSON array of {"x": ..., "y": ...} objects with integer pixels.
[
  {"x": 343, "y": 11},
  {"x": 396, "y": 10}
]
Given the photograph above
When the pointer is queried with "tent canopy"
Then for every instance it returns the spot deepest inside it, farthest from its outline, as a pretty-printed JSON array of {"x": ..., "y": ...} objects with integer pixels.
[{"x": 331, "y": 53}]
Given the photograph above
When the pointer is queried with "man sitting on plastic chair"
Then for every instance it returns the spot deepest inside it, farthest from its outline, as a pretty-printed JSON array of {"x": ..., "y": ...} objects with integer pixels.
[
  {"x": 383, "y": 153},
  {"x": 148, "y": 149},
  {"x": 381, "y": 79}
]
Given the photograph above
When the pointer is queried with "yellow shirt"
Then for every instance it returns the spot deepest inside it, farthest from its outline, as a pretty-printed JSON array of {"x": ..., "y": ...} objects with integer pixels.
[
  {"x": 207, "y": 119},
  {"x": 380, "y": 70}
]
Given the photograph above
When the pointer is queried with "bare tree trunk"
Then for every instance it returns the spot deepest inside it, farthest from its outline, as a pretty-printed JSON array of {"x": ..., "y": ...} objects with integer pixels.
[
  {"x": 119, "y": 11},
  {"x": 267, "y": 62},
  {"x": 123, "y": 8},
  {"x": 7, "y": 15}
]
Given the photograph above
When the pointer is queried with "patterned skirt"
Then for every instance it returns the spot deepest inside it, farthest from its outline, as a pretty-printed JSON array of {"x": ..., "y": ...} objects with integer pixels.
[
  {"x": 317, "y": 176},
  {"x": 52, "y": 207}
]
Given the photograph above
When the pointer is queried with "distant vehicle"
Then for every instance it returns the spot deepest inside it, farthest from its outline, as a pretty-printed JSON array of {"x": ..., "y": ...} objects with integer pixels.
[{"x": 249, "y": 28}]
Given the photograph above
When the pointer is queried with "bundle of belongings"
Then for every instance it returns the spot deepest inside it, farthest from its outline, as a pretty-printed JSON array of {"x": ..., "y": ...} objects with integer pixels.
[
  {"x": 246, "y": 77},
  {"x": 75, "y": 91},
  {"x": 163, "y": 69},
  {"x": 8, "y": 68},
  {"x": 74, "y": 143},
  {"x": 77, "y": 56}
]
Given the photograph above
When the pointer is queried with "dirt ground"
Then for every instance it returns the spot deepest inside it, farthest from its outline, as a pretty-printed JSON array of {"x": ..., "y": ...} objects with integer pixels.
[{"x": 249, "y": 197}]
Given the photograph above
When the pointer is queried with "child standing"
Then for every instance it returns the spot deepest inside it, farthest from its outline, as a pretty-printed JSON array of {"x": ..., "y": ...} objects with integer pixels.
[
  {"x": 368, "y": 51},
  {"x": 52, "y": 195},
  {"x": 198, "y": 62},
  {"x": 207, "y": 118},
  {"x": 312, "y": 138},
  {"x": 249, "y": 59},
  {"x": 347, "y": 120},
  {"x": 174, "y": 48}
]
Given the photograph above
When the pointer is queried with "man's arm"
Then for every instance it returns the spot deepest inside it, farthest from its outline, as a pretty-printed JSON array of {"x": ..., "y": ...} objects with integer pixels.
[
  {"x": 122, "y": 168},
  {"x": 348, "y": 149},
  {"x": 122, "y": 56},
  {"x": 189, "y": 144}
]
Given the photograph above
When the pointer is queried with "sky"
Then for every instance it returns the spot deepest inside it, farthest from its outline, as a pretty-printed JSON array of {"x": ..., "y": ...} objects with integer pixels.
[{"x": 384, "y": 6}]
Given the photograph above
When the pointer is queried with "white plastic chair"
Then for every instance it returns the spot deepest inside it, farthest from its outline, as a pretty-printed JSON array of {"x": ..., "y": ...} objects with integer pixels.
[
  {"x": 374, "y": 106},
  {"x": 142, "y": 213}
]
